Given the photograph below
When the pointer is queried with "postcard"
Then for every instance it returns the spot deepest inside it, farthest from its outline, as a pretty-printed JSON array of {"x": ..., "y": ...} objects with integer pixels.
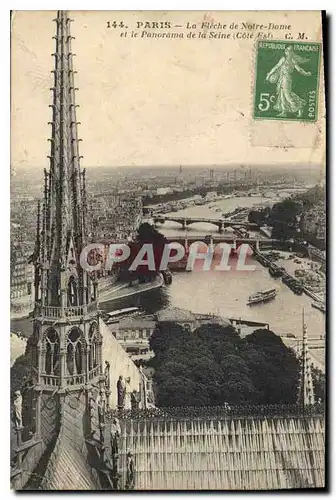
[{"x": 168, "y": 250}]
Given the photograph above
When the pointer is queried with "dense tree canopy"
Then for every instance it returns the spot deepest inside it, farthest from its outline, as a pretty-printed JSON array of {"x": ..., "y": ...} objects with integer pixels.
[
  {"x": 213, "y": 365},
  {"x": 283, "y": 215},
  {"x": 259, "y": 216},
  {"x": 147, "y": 234}
]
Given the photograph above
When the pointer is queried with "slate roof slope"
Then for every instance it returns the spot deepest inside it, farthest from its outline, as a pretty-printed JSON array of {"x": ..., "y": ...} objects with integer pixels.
[
  {"x": 68, "y": 469},
  {"x": 69, "y": 466},
  {"x": 226, "y": 454}
]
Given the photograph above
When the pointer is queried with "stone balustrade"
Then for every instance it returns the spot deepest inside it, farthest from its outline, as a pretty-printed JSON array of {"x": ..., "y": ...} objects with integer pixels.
[{"x": 73, "y": 312}]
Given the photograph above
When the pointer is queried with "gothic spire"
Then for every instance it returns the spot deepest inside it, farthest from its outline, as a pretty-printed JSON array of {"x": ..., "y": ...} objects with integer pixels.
[
  {"x": 64, "y": 206},
  {"x": 66, "y": 345}
]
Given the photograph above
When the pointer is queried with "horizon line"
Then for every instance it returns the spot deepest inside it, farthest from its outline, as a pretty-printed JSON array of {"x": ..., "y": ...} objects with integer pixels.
[{"x": 178, "y": 166}]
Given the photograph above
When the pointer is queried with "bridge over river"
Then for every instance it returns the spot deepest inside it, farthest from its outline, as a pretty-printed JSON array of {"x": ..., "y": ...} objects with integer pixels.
[
  {"x": 220, "y": 223},
  {"x": 213, "y": 239}
]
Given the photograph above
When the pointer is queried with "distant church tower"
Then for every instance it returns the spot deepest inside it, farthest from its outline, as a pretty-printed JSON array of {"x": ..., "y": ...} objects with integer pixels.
[
  {"x": 306, "y": 389},
  {"x": 66, "y": 346}
]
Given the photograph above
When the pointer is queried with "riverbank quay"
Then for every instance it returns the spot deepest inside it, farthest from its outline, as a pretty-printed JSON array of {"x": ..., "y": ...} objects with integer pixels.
[
  {"x": 307, "y": 272},
  {"x": 303, "y": 270},
  {"x": 124, "y": 290}
]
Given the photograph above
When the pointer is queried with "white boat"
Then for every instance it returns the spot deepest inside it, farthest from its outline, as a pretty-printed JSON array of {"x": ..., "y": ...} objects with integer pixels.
[
  {"x": 115, "y": 316},
  {"x": 262, "y": 296},
  {"x": 255, "y": 299}
]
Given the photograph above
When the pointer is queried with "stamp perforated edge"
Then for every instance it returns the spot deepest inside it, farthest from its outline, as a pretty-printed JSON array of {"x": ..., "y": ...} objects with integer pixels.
[{"x": 295, "y": 120}]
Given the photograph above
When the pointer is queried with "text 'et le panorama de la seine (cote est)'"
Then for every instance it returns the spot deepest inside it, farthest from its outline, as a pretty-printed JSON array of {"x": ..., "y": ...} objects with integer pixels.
[{"x": 203, "y": 30}]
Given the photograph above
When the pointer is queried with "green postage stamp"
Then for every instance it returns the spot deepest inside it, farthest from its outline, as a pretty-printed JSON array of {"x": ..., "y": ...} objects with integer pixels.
[{"x": 286, "y": 81}]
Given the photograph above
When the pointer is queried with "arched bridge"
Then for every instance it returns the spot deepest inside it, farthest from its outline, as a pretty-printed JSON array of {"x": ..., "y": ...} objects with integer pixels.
[
  {"x": 255, "y": 243},
  {"x": 186, "y": 221}
]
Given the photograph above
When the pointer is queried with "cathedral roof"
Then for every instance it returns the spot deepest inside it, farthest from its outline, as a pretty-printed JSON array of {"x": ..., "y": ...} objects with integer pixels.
[
  {"x": 226, "y": 454},
  {"x": 68, "y": 469}
]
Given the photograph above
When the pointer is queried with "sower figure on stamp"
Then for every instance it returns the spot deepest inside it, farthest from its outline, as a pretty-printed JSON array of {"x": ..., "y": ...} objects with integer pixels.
[
  {"x": 281, "y": 75},
  {"x": 121, "y": 390}
]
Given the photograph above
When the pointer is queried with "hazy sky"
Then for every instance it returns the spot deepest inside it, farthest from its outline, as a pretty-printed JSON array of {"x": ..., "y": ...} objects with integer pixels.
[{"x": 155, "y": 101}]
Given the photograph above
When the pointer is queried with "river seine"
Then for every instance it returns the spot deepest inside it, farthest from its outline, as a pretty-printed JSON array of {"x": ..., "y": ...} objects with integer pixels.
[{"x": 226, "y": 292}]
